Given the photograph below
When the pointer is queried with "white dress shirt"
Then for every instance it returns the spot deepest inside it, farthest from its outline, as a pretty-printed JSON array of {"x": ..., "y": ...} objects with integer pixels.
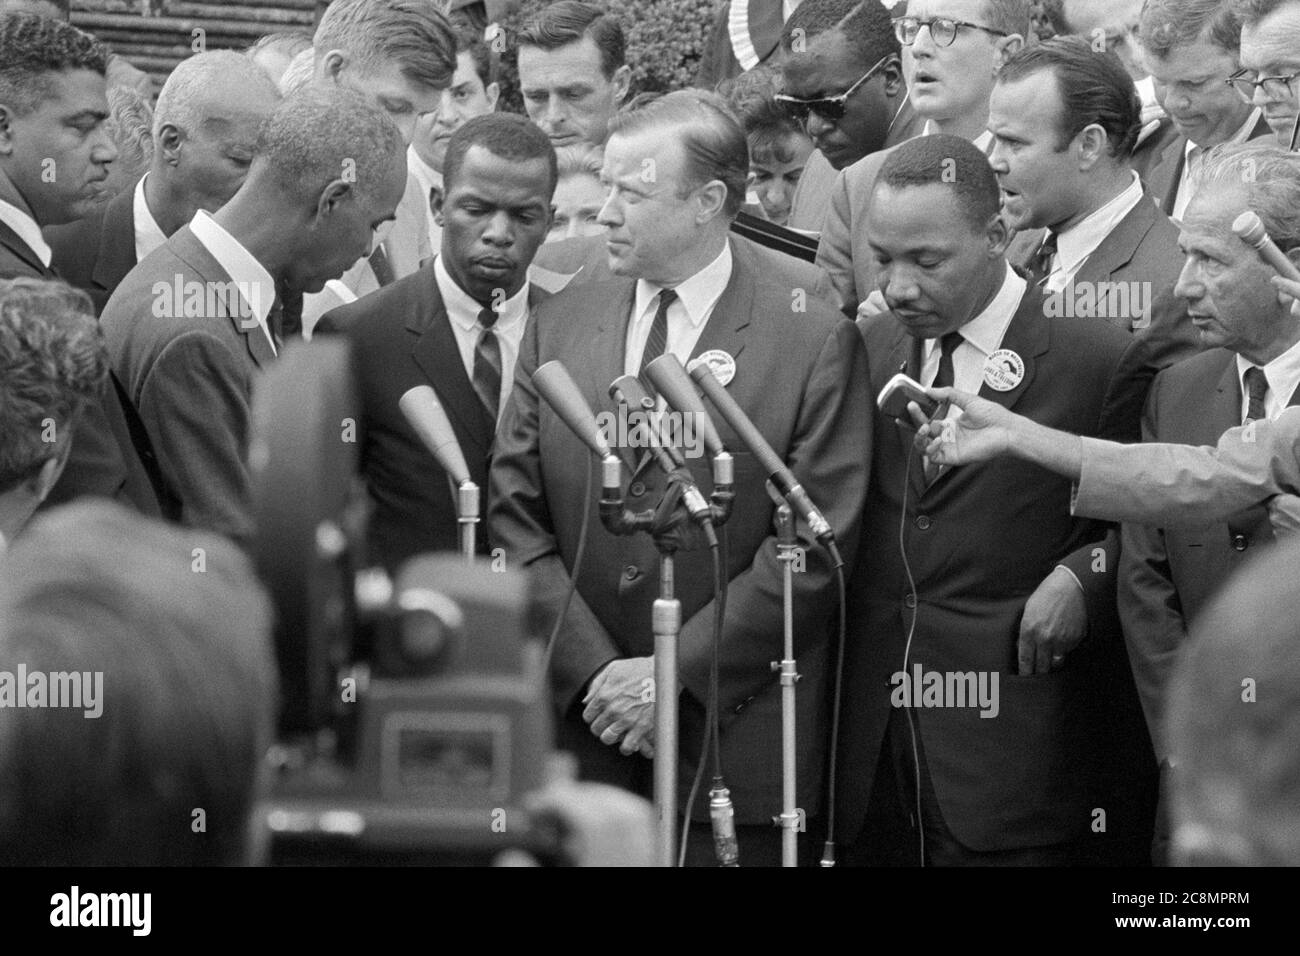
[
  {"x": 462, "y": 312},
  {"x": 1283, "y": 375},
  {"x": 1192, "y": 155},
  {"x": 687, "y": 315},
  {"x": 254, "y": 282},
  {"x": 983, "y": 142},
  {"x": 148, "y": 235},
  {"x": 428, "y": 178},
  {"x": 27, "y": 230},
  {"x": 1076, "y": 244},
  {"x": 981, "y": 337}
]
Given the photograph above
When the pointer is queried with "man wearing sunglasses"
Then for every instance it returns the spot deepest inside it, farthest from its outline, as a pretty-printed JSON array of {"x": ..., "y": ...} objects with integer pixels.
[
  {"x": 952, "y": 51},
  {"x": 1270, "y": 58},
  {"x": 847, "y": 90}
]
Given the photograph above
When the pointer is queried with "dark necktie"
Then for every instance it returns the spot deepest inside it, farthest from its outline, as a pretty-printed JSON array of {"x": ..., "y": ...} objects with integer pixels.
[
  {"x": 943, "y": 379},
  {"x": 383, "y": 269},
  {"x": 1256, "y": 389},
  {"x": 657, "y": 341},
  {"x": 487, "y": 365},
  {"x": 1040, "y": 266}
]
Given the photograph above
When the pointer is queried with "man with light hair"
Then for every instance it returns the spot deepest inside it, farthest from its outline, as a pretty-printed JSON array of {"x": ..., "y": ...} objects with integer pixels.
[
  {"x": 204, "y": 133},
  {"x": 1191, "y": 46},
  {"x": 275, "y": 52},
  {"x": 1270, "y": 61},
  {"x": 52, "y": 363},
  {"x": 401, "y": 55},
  {"x": 190, "y": 328}
]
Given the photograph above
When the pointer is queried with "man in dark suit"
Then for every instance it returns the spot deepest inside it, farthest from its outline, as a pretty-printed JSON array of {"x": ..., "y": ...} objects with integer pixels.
[
  {"x": 993, "y": 581},
  {"x": 1251, "y": 371},
  {"x": 684, "y": 287},
  {"x": 1063, "y": 118},
  {"x": 190, "y": 326},
  {"x": 54, "y": 158},
  {"x": 205, "y": 129},
  {"x": 456, "y": 325}
]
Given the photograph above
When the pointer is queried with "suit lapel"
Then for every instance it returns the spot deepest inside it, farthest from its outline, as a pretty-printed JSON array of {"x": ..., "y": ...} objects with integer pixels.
[
  {"x": 14, "y": 243},
  {"x": 1118, "y": 248},
  {"x": 194, "y": 254},
  {"x": 436, "y": 352},
  {"x": 1029, "y": 336},
  {"x": 116, "y": 242},
  {"x": 1226, "y": 411},
  {"x": 605, "y": 354}
]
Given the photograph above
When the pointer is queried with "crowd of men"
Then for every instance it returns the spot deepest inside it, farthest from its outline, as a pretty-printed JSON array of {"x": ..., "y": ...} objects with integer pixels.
[{"x": 1038, "y": 227}]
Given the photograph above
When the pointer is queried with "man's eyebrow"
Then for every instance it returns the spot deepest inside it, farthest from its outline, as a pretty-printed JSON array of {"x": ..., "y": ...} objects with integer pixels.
[{"x": 97, "y": 115}]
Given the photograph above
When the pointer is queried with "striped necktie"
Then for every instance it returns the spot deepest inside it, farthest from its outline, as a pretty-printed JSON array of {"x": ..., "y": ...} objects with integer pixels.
[{"x": 487, "y": 365}]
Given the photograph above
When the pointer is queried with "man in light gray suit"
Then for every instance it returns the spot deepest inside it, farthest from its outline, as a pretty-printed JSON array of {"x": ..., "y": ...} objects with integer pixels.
[{"x": 191, "y": 325}]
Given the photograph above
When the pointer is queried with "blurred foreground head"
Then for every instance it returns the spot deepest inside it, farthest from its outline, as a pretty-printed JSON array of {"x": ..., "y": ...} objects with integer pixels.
[{"x": 168, "y": 635}]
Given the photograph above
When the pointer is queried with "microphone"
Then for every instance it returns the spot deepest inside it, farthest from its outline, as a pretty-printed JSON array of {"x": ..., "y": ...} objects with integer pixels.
[
  {"x": 426, "y": 416},
  {"x": 1250, "y": 229},
  {"x": 780, "y": 475},
  {"x": 554, "y": 383},
  {"x": 670, "y": 380}
]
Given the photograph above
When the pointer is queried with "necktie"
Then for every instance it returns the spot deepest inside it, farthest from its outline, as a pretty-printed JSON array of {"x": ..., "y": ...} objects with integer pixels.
[
  {"x": 487, "y": 365},
  {"x": 383, "y": 269},
  {"x": 1256, "y": 389},
  {"x": 1040, "y": 266},
  {"x": 943, "y": 379},
  {"x": 657, "y": 341}
]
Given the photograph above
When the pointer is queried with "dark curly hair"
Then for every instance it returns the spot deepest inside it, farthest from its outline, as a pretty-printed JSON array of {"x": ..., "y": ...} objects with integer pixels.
[
  {"x": 32, "y": 47},
  {"x": 52, "y": 361}
]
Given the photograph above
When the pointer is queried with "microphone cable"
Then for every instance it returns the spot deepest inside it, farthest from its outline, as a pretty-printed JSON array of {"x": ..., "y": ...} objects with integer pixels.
[
  {"x": 828, "y": 849},
  {"x": 907, "y": 648},
  {"x": 573, "y": 574}
]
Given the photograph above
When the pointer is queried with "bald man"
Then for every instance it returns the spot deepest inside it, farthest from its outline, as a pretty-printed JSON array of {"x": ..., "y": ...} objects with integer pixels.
[{"x": 204, "y": 130}]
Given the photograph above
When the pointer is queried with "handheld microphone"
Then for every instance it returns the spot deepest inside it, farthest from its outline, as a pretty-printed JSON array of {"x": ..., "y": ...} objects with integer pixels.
[
  {"x": 426, "y": 416},
  {"x": 1250, "y": 229},
  {"x": 780, "y": 475}
]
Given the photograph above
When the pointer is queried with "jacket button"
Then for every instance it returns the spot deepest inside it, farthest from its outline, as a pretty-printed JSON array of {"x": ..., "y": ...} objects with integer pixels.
[
  {"x": 636, "y": 489},
  {"x": 1240, "y": 542},
  {"x": 631, "y": 572},
  {"x": 909, "y": 601},
  {"x": 923, "y": 522}
]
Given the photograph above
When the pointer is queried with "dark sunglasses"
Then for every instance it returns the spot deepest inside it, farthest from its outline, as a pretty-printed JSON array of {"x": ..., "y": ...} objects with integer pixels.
[{"x": 829, "y": 108}]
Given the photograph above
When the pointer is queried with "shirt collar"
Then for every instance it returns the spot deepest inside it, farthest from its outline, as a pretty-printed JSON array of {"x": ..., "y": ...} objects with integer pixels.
[
  {"x": 254, "y": 282},
  {"x": 1283, "y": 374},
  {"x": 463, "y": 309},
  {"x": 986, "y": 331},
  {"x": 1081, "y": 240},
  {"x": 697, "y": 294},
  {"x": 30, "y": 233},
  {"x": 148, "y": 234},
  {"x": 983, "y": 142}
]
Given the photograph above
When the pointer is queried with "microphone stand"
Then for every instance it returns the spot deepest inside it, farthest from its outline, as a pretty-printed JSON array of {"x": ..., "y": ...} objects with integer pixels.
[
  {"x": 787, "y": 552},
  {"x": 666, "y": 614}
]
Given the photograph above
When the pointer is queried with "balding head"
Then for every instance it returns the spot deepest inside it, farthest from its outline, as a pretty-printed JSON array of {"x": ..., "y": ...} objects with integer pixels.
[{"x": 205, "y": 131}]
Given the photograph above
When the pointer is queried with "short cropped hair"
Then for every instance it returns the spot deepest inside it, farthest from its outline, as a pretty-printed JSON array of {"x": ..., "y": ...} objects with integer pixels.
[
  {"x": 1252, "y": 11},
  {"x": 947, "y": 161},
  {"x": 814, "y": 17},
  {"x": 1010, "y": 16},
  {"x": 710, "y": 134},
  {"x": 505, "y": 135},
  {"x": 130, "y": 121},
  {"x": 581, "y": 158},
  {"x": 52, "y": 361},
  {"x": 31, "y": 48},
  {"x": 1271, "y": 177},
  {"x": 288, "y": 43},
  {"x": 414, "y": 34},
  {"x": 767, "y": 127},
  {"x": 1095, "y": 89},
  {"x": 870, "y": 33},
  {"x": 177, "y": 626},
  {"x": 320, "y": 131},
  {"x": 1169, "y": 24},
  {"x": 569, "y": 21},
  {"x": 188, "y": 88}
]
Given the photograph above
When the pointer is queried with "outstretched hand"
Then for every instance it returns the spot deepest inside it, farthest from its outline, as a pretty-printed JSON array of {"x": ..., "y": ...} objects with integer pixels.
[{"x": 982, "y": 431}]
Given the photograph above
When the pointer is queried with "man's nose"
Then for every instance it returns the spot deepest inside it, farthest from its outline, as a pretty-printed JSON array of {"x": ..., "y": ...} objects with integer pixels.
[
  {"x": 499, "y": 230},
  {"x": 1188, "y": 287}
]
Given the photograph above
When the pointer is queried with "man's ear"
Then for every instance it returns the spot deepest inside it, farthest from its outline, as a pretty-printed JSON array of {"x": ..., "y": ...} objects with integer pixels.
[
  {"x": 332, "y": 197},
  {"x": 1090, "y": 145},
  {"x": 712, "y": 198},
  {"x": 998, "y": 235},
  {"x": 493, "y": 92},
  {"x": 1006, "y": 48},
  {"x": 435, "y": 207},
  {"x": 331, "y": 65},
  {"x": 168, "y": 142},
  {"x": 893, "y": 74},
  {"x": 6, "y": 131},
  {"x": 622, "y": 80}
]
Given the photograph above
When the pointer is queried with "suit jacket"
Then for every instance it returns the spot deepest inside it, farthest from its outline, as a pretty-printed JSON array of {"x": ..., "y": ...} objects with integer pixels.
[
  {"x": 583, "y": 259},
  {"x": 980, "y": 540},
  {"x": 803, "y": 382},
  {"x": 95, "y": 253},
  {"x": 191, "y": 378},
  {"x": 1142, "y": 251},
  {"x": 1182, "y": 486},
  {"x": 1167, "y": 576},
  {"x": 102, "y": 461},
  {"x": 1166, "y": 169},
  {"x": 401, "y": 337}
]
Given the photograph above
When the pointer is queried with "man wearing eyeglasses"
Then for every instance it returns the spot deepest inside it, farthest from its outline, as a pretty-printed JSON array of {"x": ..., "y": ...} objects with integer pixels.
[
  {"x": 952, "y": 52},
  {"x": 847, "y": 89},
  {"x": 1270, "y": 60},
  {"x": 1191, "y": 45}
]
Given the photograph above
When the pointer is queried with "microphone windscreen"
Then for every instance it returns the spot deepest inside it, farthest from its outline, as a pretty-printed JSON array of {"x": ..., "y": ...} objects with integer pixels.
[
  {"x": 669, "y": 378},
  {"x": 428, "y": 418},
  {"x": 735, "y": 416},
  {"x": 1250, "y": 228},
  {"x": 554, "y": 384}
]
